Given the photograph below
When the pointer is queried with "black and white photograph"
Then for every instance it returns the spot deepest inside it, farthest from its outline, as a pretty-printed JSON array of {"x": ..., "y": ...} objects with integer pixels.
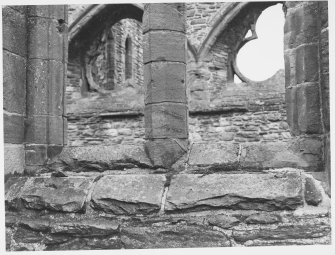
[{"x": 164, "y": 125}]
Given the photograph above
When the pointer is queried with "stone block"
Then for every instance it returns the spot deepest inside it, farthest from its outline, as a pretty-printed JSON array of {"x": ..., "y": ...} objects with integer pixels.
[
  {"x": 54, "y": 194},
  {"x": 38, "y": 37},
  {"x": 300, "y": 153},
  {"x": 35, "y": 154},
  {"x": 193, "y": 192},
  {"x": 14, "y": 31},
  {"x": 166, "y": 120},
  {"x": 13, "y": 159},
  {"x": 38, "y": 75},
  {"x": 47, "y": 11},
  {"x": 282, "y": 232},
  {"x": 164, "y": 46},
  {"x": 313, "y": 195},
  {"x": 128, "y": 194},
  {"x": 291, "y": 109},
  {"x": 262, "y": 218},
  {"x": 309, "y": 108},
  {"x": 159, "y": 16},
  {"x": 57, "y": 40},
  {"x": 53, "y": 151},
  {"x": 56, "y": 130},
  {"x": 55, "y": 90},
  {"x": 172, "y": 236},
  {"x": 325, "y": 101},
  {"x": 13, "y": 128},
  {"x": 307, "y": 63},
  {"x": 100, "y": 158},
  {"x": 165, "y": 152},
  {"x": 36, "y": 129},
  {"x": 324, "y": 48},
  {"x": 165, "y": 82},
  {"x": 215, "y": 156},
  {"x": 14, "y": 83}
]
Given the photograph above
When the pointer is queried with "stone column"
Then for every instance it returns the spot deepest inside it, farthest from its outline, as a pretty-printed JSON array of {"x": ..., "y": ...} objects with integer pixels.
[
  {"x": 306, "y": 72},
  {"x": 14, "y": 86},
  {"x": 166, "y": 110},
  {"x": 45, "y": 125}
]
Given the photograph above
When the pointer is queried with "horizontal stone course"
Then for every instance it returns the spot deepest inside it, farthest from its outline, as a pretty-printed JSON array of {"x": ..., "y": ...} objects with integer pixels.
[
  {"x": 129, "y": 194},
  {"x": 265, "y": 192}
]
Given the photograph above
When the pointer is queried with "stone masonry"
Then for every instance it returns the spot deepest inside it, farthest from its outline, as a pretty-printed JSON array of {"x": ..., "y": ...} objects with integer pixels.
[{"x": 179, "y": 157}]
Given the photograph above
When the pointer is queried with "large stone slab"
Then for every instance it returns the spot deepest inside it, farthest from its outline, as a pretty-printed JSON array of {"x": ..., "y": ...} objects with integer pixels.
[
  {"x": 218, "y": 157},
  {"x": 100, "y": 158},
  {"x": 268, "y": 192},
  {"x": 128, "y": 194},
  {"x": 55, "y": 194},
  {"x": 302, "y": 153}
]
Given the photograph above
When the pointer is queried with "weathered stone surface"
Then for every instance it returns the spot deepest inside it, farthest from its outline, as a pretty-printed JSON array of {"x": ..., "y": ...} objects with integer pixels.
[
  {"x": 14, "y": 83},
  {"x": 13, "y": 128},
  {"x": 13, "y": 159},
  {"x": 35, "y": 154},
  {"x": 165, "y": 152},
  {"x": 177, "y": 236},
  {"x": 128, "y": 194},
  {"x": 173, "y": 49},
  {"x": 37, "y": 86},
  {"x": 216, "y": 156},
  {"x": 166, "y": 120},
  {"x": 223, "y": 221},
  {"x": 235, "y": 191},
  {"x": 307, "y": 65},
  {"x": 262, "y": 218},
  {"x": 282, "y": 232},
  {"x": 301, "y": 153},
  {"x": 36, "y": 129},
  {"x": 56, "y": 130},
  {"x": 165, "y": 82},
  {"x": 309, "y": 108},
  {"x": 100, "y": 158},
  {"x": 55, "y": 194},
  {"x": 14, "y": 31},
  {"x": 155, "y": 13},
  {"x": 313, "y": 195},
  {"x": 89, "y": 228}
]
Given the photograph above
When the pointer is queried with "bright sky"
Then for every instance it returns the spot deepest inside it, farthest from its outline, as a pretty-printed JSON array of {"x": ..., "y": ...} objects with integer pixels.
[{"x": 261, "y": 58}]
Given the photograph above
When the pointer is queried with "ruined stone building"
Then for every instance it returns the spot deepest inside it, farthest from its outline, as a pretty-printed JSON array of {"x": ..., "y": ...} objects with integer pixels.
[{"x": 124, "y": 127}]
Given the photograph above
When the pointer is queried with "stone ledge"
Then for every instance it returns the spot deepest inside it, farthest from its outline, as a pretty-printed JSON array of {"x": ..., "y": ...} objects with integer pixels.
[
  {"x": 55, "y": 194},
  {"x": 265, "y": 192},
  {"x": 302, "y": 153},
  {"x": 129, "y": 194},
  {"x": 100, "y": 158}
]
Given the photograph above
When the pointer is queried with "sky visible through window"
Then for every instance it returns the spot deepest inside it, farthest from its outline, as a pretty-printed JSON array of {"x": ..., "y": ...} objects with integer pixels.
[{"x": 261, "y": 58}]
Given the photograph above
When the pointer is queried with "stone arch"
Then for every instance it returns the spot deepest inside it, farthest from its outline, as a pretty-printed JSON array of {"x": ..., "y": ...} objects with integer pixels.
[{"x": 220, "y": 22}]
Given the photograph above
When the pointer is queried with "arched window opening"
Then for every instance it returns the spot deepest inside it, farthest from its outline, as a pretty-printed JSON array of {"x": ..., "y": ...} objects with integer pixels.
[
  {"x": 261, "y": 58},
  {"x": 128, "y": 58}
]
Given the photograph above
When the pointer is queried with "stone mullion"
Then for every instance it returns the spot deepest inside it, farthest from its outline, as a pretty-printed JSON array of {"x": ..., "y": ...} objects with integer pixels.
[
  {"x": 46, "y": 65},
  {"x": 302, "y": 68},
  {"x": 166, "y": 110}
]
